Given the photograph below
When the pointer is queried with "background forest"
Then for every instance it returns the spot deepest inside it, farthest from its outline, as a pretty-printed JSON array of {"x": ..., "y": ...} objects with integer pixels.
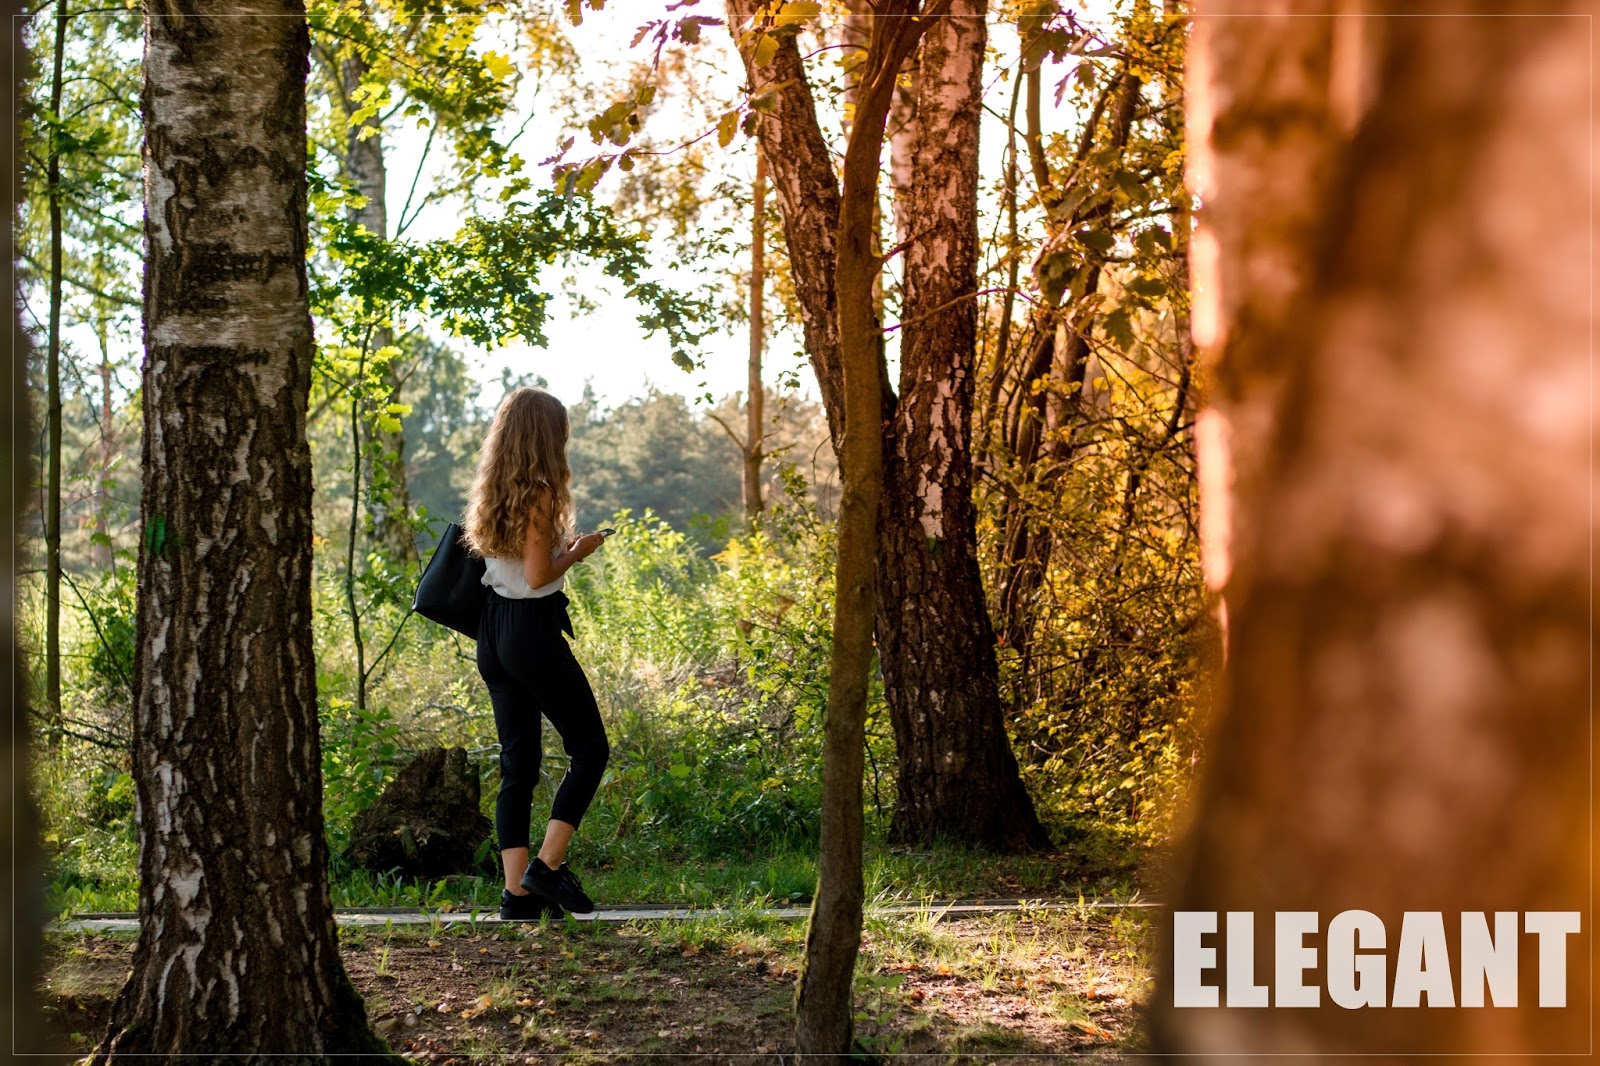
[{"x": 705, "y": 624}]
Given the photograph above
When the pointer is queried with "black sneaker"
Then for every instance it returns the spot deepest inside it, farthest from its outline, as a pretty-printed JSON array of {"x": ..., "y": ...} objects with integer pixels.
[
  {"x": 560, "y": 887},
  {"x": 515, "y": 908}
]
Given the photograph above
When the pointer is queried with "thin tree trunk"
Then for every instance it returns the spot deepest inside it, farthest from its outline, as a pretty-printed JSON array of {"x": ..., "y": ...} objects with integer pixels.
[
  {"x": 354, "y": 537},
  {"x": 957, "y": 775},
  {"x": 756, "y": 394},
  {"x": 823, "y": 995},
  {"x": 998, "y": 374},
  {"x": 903, "y": 127},
  {"x": 389, "y": 499},
  {"x": 21, "y": 896},
  {"x": 101, "y": 552},
  {"x": 237, "y": 953},
  {"x": 801, "y": 171},
  {"x": 1393, "y": 310},
  {"x": 52, "y": 527}
]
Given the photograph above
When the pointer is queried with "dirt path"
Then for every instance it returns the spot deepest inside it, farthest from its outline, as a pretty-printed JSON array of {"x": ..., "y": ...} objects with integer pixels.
[{"x": 1010, "y": 986}]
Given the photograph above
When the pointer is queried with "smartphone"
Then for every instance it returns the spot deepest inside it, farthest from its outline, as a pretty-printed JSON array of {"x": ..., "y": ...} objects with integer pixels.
[{"x": 606, "y": 532}]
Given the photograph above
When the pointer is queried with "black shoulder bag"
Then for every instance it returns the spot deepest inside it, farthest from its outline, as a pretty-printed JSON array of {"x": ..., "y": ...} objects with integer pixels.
[{"x": 451, "y": 591}]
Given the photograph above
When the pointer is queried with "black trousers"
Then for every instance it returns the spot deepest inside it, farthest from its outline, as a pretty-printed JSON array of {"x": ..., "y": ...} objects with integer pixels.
[{"x": 524, "y": 659}]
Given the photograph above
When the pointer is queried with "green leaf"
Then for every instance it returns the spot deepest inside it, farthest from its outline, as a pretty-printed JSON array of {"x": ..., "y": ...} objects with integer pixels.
[
  {"x": 497, "y": 65},
  {"x": 766, "y": 48},
  {"x": 796, "y": 13},
  {"x": 1151, "y": 287},
  {"x": 727, "y": 127},
  {"x": 1118, "y": 327},
  {"x": 1129, "y": 183},
  {"x": 1098, "y": 240}
]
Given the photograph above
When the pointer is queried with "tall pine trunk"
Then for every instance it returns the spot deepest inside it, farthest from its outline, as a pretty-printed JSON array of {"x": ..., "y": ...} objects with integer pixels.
[
  {"x": 237, "y": 953},
  {"x": 957, "y": 775},
  {"x": 1393, "y": 307}
]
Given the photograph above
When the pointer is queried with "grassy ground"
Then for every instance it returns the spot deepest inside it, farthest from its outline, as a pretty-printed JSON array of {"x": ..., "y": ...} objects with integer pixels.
[
  {"x": 892, "y": 875},
  {"x": 1016, "y": 988}
]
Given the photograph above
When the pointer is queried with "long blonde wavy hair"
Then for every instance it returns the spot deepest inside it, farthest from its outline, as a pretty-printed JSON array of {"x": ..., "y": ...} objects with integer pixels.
[{"x": 523, "y": 466}]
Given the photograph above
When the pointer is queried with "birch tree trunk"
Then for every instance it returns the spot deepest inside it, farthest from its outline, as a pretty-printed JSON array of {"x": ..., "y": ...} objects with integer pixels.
[
  {"x": 237, "y": 953},
  {"x": 957, "y": 775},
  {"x": 804, "y": 179},
  {"x": 1393, "y": 303}
]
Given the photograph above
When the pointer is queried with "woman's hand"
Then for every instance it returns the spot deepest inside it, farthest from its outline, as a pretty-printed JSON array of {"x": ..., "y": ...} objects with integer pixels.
[{"x": 585, "y": 546}]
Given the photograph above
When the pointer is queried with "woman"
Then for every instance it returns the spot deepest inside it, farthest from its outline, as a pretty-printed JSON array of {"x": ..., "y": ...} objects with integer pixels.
[{"x": 519, "y": 518}]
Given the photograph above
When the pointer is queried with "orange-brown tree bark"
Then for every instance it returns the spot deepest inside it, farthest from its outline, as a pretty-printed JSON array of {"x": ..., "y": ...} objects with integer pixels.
[
  {"x": 958, "y": 777},
  {"x": 1393, "y": 314}
]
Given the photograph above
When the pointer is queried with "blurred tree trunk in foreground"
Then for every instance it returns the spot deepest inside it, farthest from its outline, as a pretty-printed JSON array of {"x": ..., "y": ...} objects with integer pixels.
[
  {"x": 20, "y": 899},
  {"x": 237, "y": 953},
  {"x": 1392, "y": 305}
]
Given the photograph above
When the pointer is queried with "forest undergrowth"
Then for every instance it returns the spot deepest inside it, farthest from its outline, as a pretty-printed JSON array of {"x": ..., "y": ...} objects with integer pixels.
[{"x": 710, "y": 669}]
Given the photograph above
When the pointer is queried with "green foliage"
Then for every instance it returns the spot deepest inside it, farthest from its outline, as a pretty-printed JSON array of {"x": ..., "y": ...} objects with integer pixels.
[
  {"x": 650, "y": 454},
  {"x": 420, "y": 63},
  {"x": 107, "y": 659},
  {"x": 716, "y": 673},
  {"x": 1093, "y": 459},
  {"x": 483, "y": 283},
  {"x": 358, "y": 755}
]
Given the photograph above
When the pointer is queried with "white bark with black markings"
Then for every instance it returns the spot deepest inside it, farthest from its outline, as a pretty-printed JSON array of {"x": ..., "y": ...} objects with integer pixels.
[{"x": 237, "y": 952}]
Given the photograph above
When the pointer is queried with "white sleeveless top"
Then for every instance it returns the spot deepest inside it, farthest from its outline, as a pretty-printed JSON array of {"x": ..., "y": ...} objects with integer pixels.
[{"x": 505, "y": 576}]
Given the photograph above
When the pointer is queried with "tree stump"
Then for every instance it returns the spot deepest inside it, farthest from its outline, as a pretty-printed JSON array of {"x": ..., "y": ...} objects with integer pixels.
[{"x": 427, "y": 822}]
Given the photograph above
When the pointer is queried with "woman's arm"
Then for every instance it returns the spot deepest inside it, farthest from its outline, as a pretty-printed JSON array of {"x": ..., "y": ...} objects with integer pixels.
[{"x": 538, "y": 566}]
